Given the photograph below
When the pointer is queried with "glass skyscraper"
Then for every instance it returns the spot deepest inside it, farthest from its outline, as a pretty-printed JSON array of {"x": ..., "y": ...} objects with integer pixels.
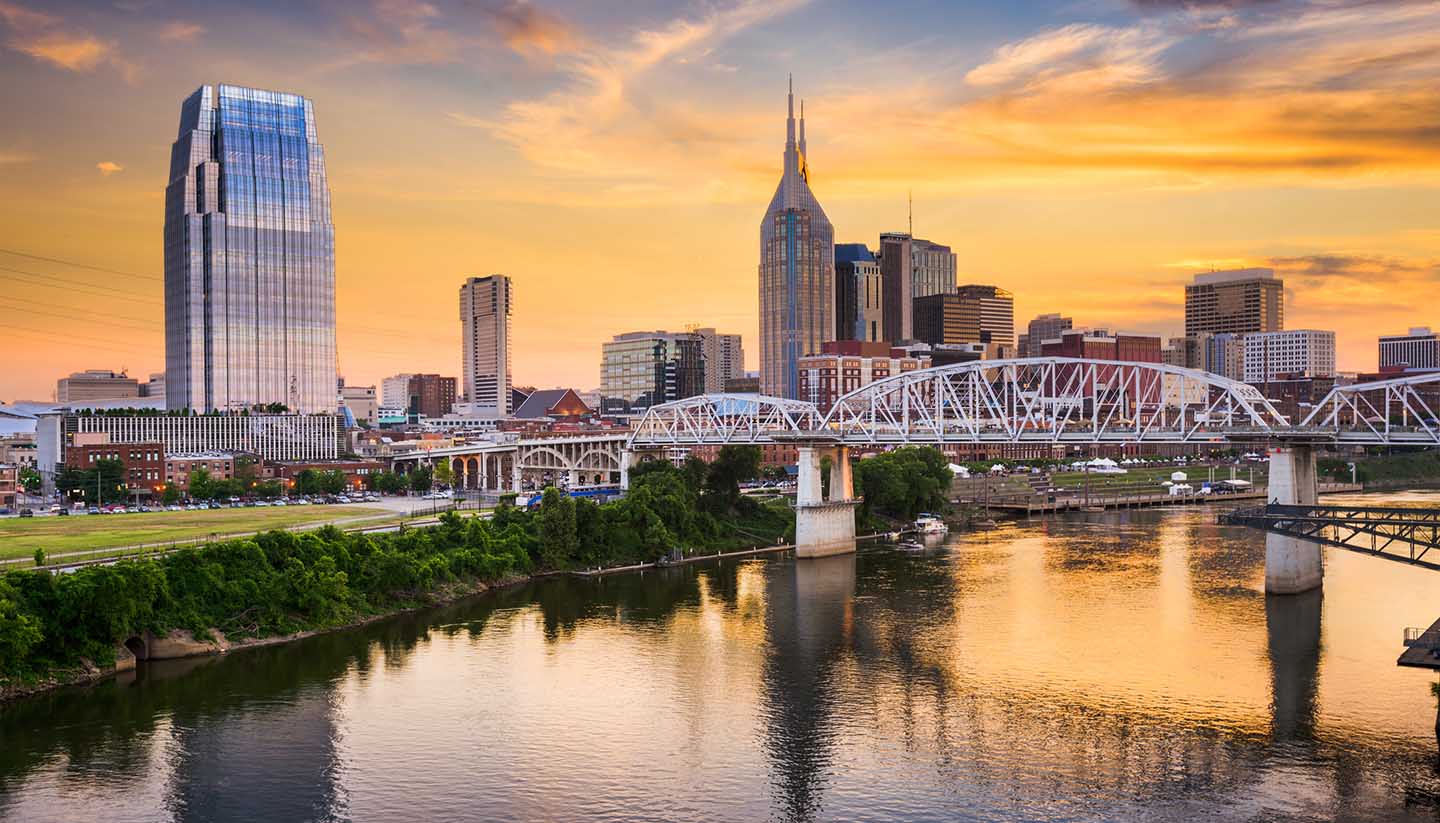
[
  {"x": 249, "y": 256},
  {"x": 797, "y": 272}
]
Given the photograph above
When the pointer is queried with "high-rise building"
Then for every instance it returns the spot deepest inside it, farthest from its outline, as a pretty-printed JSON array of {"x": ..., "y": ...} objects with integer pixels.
[
  {"x": 724, "y": 358},
  {"x": 95, "y": 384},
  {"x": 1241, "y": 301},
  {"x": 249, "y": 256},
  {"x": 1042, "y": 328},
  {"x": 970, "y": 314},
  {"x": 395, "y": 392},
  {"x": 1283, "y": 354},
  {"x": 1103, "y": 344},
  {"x": 429, "y": 395},
  {"x": 859, "y": 287},
  {"x": 797, "y": 271},
  {"x": 362, "y": 403},
  {"x": 911, "y": 268},
  {"x": 1222, "y": 354},
  {"x": 485, "y": 344},
  {"x": 645, "y": 368},
  {"x": 1419, "y": 350}
]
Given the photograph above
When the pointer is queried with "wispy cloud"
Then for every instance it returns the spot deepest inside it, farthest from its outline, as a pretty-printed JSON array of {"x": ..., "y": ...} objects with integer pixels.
[
  {"x": 180, "y": 31},
  {"x": 601, "y": 124},
  {"x": 529, "y": 29},
  {"x": 419, "y": 32},
  {"x": 108, "y": 167},
  {"x": 47, "y": 38}
]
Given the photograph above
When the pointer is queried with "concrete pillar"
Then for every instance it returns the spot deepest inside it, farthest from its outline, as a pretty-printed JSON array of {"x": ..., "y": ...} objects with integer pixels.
[
  {"x": 1292, "y": 565},
  {"x": 627, "y": 459},
  {"x": 808, "y": 491},
  {"x": 842, "y": 482},
  {"x": 515, "y": 474},
  {"x": 822, "y": 527}
]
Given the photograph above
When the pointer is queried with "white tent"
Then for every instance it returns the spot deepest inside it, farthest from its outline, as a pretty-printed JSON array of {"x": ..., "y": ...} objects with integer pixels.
[
  {"x": 998, "y": 467},
  {"x": 1103, "y": 463},
  {"x": 957, "y": 469},
  {"x": 1168, "y": 483},
  {"x": 1179, "y": 477}
]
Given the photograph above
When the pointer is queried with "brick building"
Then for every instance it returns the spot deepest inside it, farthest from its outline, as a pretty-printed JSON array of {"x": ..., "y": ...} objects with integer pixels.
[
  {"x": 143, "y": 463},
  {"x": 846, "y": 365}
]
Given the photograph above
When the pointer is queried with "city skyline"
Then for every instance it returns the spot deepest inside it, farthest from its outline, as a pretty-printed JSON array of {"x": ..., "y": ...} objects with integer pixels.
[{"x": 605, "y": 133}]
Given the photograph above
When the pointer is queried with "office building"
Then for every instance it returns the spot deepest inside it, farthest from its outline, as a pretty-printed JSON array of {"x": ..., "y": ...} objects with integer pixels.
[
  {"x": 95, "y": 384},
  {"x": 142, "y": 464},
  {"x": 1222, "y": 354},
  {"x": 249, "y": 256},
  {"x": 1286, "y": 354},
  {"x": 797, "y": 271},
  {"x": 1418, "y": 350},
  {"x": 911, "y": 268},
  {"x": 1241, "y": 301},
  {"x": 1042, "y": 328},
  {"x": 724, "y": 358},
  {"x": 1104, "y": 344},
  {"x": 842, "y": 366},
  {"x": 9, "y": 485},
  {"x": 645, "y": 368},
  {"x": 970, "y": 314},
  {"x": 269, "y": 436},
  {"x": 362, "y": 404},
  {"x": 217, "y": 465},
  {"x": 154, "y": 386},
  {"x": 485, "y": 304},
  {"x": 395, "y": 391},
  {"x": 428, "y": 395},
  {"x": 858, "y": 294}
]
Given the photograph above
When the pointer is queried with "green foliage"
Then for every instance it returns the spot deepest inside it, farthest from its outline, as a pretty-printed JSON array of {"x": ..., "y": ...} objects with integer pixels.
[
  {"x": 39, "y": 557},
  {"x": 1392, "y": 468},
  {"x": 421, "y": 479},
  {"x": 170, "y": 494},
  {"x": 558, "y": 537},
  {"x": 904, "y": 482},
  {"x": 444, "y": 474},
  {"x": 385, "y": 482},
  {"x": 104, "y": 483},
  {"x": 274, "y": 583},
  {"x": 30, "y": 480}
]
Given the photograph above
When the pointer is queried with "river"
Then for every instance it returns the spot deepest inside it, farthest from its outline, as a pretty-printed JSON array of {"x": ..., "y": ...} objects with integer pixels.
[{"x": 1123, "y": 665}]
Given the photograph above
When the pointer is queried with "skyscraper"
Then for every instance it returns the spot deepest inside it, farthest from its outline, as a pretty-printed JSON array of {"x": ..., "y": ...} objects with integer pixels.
[
  {"x": 1042, "y": 328},
  {"x": 797, "y": 271},
  {"x": 724, "y": 358},
  {"x": 911, "y": 268},
  {"x": 858, "y": 289},
  {"x": 249, "y": 256},
  {"x": 485, "y": 344},
  {"x": 1241, "y": 301},
  {"x": 640, "y": 369}
]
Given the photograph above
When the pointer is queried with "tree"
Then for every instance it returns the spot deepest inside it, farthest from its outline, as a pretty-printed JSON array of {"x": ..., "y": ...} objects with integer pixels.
[
  {"x": 170, "y": 495},
  {"x": 421, "y": 480},
  {"x": 734, "y": 465},
  {"x": 904, "y": 482},
  {"x": 39, "y": 557},
  {"x": 559, "y": 540},
  {"x": 332, "y": 482},
  {"x": 104, "y": 483},
  {"x": 307, "y": 481},
  {"x": 201, "y": 487},
  {"x": 444, "y": 474},
  {"x": 19, "y": 632},
  {"x": 30, "y": 480}
]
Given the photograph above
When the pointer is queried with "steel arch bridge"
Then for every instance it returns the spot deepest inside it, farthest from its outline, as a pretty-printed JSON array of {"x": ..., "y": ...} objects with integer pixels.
[
  {"x": 1041, "y": 400},
  {"x": 1398, "y": 411}
]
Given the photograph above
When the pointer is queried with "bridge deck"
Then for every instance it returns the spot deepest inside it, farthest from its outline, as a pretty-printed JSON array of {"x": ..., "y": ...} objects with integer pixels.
[{"x": 1420, "y": 653}]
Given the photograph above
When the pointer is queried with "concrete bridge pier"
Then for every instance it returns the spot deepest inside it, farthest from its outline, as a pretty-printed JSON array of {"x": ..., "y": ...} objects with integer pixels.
[
  {"x": 1292, "y": 565},
  {"x": 824, "y": 524}
]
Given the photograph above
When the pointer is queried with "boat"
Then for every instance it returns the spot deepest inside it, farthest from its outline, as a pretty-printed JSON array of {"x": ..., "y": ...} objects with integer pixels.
[
  {"x": 930, "y": 524},
  {"x": 910, "y": 546}
]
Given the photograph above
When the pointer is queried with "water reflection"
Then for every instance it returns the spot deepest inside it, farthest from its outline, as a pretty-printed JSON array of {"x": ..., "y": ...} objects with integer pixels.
[{"x": 1102, "y": 666}]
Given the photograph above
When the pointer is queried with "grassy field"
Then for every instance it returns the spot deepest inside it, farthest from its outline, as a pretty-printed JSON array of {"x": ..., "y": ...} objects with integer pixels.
[
  {"x": 20, "y": 536},
  {"x": 1138, "y": 477}
]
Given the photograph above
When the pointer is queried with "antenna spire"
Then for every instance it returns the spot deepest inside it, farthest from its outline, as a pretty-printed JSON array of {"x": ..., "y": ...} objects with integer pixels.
[{"x": 910, "y": 201}]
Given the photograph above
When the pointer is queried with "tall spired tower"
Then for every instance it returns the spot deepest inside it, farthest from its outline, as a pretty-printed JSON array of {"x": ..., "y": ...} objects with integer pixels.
[{"x": 797, "y": 271}]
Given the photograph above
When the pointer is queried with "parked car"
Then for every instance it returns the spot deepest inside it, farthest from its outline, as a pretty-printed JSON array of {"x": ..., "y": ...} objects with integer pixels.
[
  {"x": 27, "y": 512},
  {"x": 62, "y": 513}
]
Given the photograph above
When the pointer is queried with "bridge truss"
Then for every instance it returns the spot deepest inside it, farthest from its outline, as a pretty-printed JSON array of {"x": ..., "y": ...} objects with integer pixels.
[
  {"x": 1399, "y": 534},
  {"x": 1401, "y": 410},
  {"x": 718, "y": 419}
]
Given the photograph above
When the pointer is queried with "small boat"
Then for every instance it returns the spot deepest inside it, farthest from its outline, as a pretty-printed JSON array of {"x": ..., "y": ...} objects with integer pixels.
[
  {"x": 930, "y": 524},
  {"x": 910, "y": 546}
]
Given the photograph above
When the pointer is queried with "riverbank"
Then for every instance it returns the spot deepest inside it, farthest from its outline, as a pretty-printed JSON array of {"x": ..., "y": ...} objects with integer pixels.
[{"x": 179, "y": 643}]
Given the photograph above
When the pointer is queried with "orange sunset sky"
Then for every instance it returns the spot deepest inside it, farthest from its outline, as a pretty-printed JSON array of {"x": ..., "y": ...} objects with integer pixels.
[{"x": 615, "y": 160}]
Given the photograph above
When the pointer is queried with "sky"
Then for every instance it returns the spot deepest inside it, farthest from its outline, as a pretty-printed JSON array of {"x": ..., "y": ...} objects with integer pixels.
[{"x": 615, "y": 160}]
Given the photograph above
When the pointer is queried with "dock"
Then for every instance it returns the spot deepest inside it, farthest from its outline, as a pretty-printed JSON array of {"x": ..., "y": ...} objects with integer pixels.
[
  {"x": 1421, "y": 648},
  {"x": 1042, "y": 503}
]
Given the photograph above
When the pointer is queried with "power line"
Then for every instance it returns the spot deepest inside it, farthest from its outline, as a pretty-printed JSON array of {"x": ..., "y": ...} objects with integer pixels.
[
  {"x": 56, "y": 282},
  {"x": 74, "y": 264}
]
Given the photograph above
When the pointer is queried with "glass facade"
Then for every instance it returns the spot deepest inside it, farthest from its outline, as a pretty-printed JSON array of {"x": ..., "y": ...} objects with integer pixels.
[
  {"x": 642, "y": 369},
  {"x": 797, "y": 272},
  {"x": 249, "y": 256}
]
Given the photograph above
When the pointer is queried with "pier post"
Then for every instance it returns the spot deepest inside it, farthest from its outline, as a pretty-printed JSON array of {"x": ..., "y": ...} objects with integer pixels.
[
  {"x": 1292, "y": 565},
  {"x": 824, "y": 526}
]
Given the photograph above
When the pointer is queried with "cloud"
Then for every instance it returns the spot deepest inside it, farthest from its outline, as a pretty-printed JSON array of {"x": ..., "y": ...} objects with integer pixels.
[
  {"x": 108, "y": 167},
  {"x": 180, "y": 31},
  {"x": 1079, "y": 55},
  {"x": 46, "y": 38},
  {"x": 528, "y": 29},
  {"x": 602, "y": 123}
]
